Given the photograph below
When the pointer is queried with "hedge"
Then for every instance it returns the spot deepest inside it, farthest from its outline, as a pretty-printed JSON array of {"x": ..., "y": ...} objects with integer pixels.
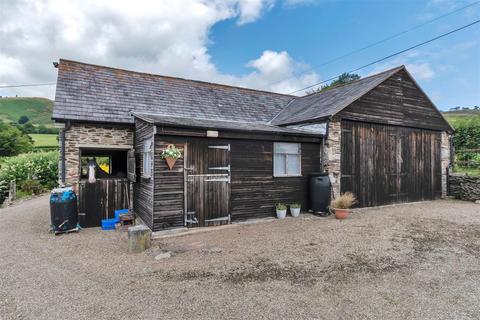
[{"x": 40, "y": 166}]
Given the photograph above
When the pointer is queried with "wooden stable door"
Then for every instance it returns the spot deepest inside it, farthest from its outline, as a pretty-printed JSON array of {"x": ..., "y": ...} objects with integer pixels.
[
  {"x": 383, "y": 164},
  {"x": 207, "y": 183}
]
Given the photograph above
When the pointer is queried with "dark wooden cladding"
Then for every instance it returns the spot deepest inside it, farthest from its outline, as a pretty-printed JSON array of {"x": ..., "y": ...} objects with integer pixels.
[
  {"x": 143, "y": 188},
  {"x": 254, "y": 190},
  {"x": 168, "y": 205},
  {"x": 384, "y": 164},
  {"x": 397, "y": 101},
  {"x": 100, "y": 199}
]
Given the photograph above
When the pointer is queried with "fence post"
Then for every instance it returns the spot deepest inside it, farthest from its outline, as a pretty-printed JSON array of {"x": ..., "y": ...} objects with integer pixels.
[{"x": 12, "y": 193}]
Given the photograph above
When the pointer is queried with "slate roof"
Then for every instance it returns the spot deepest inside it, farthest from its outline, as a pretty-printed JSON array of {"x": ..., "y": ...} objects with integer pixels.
[
  {"x": 88, "y": 92},
  {"x": 167, "y": 120},
  {"x": 92, "y": 93},
  {"x": 326, "y": 103}
]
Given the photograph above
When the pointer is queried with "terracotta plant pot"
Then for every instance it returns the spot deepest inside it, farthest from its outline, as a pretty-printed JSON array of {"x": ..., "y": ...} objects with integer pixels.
[
  {"x": 341, "y": 213},
  {"x": 170, "y": 162}
]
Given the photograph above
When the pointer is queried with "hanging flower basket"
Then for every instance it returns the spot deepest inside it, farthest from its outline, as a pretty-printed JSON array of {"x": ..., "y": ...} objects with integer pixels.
[
  {"x": 170, "y": 162},
  {"x": 171, "y": 154}
]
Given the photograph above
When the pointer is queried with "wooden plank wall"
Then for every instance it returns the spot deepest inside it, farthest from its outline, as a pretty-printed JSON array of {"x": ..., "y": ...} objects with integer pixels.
[
  {"x": 142, "y": 188},
  {"x": 397, "y": 101},
  {"x": 169, "y": 193},
  {"x": 384, "y": 164},
  {"x": 254, "y": 190},
  {"x": 100, "y": 199}
]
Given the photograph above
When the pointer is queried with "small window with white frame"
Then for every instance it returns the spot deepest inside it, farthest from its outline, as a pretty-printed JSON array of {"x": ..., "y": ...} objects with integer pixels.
[
  {"x": 147, "y": 158},
  {"x": 287, "y": 159}
]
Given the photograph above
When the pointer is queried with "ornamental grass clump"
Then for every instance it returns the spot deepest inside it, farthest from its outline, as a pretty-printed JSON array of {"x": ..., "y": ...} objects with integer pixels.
[{"x": 345, "y": 201}]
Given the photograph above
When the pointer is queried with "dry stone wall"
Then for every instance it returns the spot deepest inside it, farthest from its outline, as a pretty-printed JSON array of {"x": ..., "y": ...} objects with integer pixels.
[{"x": 464, "y": 187}]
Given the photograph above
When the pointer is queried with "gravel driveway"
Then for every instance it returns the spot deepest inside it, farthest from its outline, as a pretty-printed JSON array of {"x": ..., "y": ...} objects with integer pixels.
[{"x": 414, "y": 261}]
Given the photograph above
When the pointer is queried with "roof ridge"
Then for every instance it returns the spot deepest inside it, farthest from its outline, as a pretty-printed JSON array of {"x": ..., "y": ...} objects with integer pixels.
[
  {"x": 355, "y": 81},
  {"x": 175, "y": 78}
]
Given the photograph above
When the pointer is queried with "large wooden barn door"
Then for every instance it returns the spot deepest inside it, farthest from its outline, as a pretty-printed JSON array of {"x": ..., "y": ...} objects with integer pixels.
[
  {"x": 384, "y": 164},
  {"x": 208, "y": 182}
]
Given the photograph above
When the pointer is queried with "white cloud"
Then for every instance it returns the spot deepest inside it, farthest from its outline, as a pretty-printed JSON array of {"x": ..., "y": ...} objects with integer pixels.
[
  {"x": 250, "y": 10},
  {"x": 421, "y": 71},
  {"x": 169, "y": 38}
]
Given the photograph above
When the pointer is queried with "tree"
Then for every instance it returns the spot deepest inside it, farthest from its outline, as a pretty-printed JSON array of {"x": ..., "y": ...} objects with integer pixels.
[
  {"x": 23, "y": 120},
  {"x": 13, "y": 141},
  {"x": 344, "y": 78},
  {"x": 28, "y": 128}
]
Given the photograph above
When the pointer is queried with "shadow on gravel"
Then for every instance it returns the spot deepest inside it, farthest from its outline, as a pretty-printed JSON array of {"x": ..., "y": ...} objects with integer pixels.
[
  {"x": 443, "y": 235},
  {"x": 422, "y": 239}
]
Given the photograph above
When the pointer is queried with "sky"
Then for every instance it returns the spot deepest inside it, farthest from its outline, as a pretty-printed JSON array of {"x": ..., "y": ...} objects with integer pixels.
[{"x": 275, "y": 45}]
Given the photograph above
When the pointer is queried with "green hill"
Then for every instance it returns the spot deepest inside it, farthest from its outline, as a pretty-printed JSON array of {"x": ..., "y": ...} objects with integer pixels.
[
  {"x": 462, "y": 116},
  {"x": 38, "y": 110}
]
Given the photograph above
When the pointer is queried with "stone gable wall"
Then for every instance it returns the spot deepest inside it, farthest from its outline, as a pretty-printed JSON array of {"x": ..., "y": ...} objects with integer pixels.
[
  {"x": 332, "y": 154},
  {"x": 92, "y": 135},
  {"x": 445, "y": 160}
]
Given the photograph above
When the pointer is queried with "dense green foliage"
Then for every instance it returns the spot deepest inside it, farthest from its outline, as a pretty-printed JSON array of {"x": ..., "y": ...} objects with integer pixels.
[
  {"x": 344, "y": 78},
  {"x": 38, "y": 110},
  {"x": 13, "y": 141},
  {"x": 41, "y": 167},
  {"x": 466, "y": 140},
  {"x": 23, "y": 120}
]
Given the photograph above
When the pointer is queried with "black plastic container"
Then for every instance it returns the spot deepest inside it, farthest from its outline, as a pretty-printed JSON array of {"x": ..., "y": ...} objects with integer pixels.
[
  {"x": 63, "y": 209},
  {"x": 319, "y": 188}
]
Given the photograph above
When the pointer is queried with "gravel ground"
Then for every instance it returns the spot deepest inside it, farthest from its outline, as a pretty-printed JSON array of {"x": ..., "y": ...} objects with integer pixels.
[{"x": 414, "y": 261}]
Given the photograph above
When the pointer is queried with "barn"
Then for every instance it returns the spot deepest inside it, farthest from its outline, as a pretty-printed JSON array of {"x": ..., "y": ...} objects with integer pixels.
[{"x": 243, "y": 150}]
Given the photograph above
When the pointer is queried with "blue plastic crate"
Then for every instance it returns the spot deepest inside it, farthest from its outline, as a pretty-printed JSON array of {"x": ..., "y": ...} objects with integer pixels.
[
  {"x": 108, "y": 224},
  {"x": 118, "y": 213}
]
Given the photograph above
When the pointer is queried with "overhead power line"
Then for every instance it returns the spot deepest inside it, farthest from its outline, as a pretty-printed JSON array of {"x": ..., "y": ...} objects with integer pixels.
[
  {"x": 390, "y": 56},
  {"x": 393, "y": 36},
  {"x": 313, "y": 67},
  {"x": 29, "y": 85}
]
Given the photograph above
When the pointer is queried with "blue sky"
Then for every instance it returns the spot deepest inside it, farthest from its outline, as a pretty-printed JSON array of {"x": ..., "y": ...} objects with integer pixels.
[
  {"x": 321, "y": 31},
  {"x": 276, "y": 45}
]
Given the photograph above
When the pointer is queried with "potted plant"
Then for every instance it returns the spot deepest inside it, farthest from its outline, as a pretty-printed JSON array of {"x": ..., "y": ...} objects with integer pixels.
[
  {"x": 281, "y": 210},
  {"x": 342, "y": 204},
  {"x": 170, "y": 154},
  {"x": 295, "y": 209}
]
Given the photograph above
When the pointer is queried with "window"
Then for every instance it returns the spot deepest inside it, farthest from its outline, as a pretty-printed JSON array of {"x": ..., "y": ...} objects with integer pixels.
[
  {"x": 147, "y": 158},
  {"x": 287, "y": 159}
]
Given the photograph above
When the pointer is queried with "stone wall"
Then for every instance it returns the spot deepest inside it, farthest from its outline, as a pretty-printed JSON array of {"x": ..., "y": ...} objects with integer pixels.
[
  {"x": 81, "y": 135},
  {"x": 445, "y": 160},
  {"x": 332, "y": 154},
  {"x": 464, "y": 187}
]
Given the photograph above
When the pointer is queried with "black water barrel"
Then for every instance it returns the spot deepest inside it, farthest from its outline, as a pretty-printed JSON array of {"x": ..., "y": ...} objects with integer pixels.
[
  {"x": 63, "y": 209},
  {"x": 319, "y": 192}
]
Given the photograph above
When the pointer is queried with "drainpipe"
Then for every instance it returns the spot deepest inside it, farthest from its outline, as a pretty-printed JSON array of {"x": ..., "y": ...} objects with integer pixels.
[{"x": 62, "y": 151}]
